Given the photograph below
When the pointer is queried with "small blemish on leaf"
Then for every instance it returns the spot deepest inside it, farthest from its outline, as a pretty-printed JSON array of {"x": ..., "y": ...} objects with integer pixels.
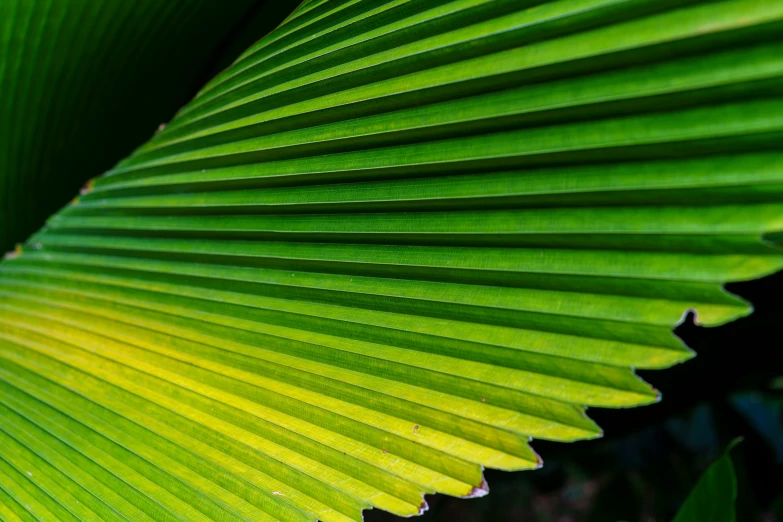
[
  {"x": 483, "y": 399},
  {"x": 13, "y": 254},
  {"x": 384, "y": 451},
  {"x": 480, "y": 490},
  {"x": 415, "y": 428},
  {"x": 87, "y": 187}
]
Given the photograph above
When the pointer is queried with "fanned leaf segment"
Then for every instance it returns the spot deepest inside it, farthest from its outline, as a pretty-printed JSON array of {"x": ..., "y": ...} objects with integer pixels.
[
  {"x": 389, "y": 245},
  {"x": 70, "y": 70}
]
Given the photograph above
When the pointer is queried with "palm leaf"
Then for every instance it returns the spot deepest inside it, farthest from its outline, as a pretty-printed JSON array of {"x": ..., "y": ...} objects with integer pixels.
[{"x": 388, "y": 246}]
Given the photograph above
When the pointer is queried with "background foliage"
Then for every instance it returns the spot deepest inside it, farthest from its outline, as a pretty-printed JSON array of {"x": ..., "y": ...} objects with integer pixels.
[{"x": 84, "y": 82}]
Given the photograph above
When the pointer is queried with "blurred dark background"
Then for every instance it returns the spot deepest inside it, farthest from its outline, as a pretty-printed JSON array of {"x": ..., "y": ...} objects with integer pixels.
[{"x": 650, "y": 458}]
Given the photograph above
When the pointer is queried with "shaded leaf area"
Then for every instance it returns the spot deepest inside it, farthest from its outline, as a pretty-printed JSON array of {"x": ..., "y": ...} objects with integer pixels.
[
  {"x": 714, "y": 495},
  {"x": 83, "y": 82},
  {"x": 388, "y": 246}
]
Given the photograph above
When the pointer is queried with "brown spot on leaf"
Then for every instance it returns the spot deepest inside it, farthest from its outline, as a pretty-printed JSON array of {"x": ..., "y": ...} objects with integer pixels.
[
  {"x": 87, "y": 187},
  {"x": 480, "y": 490},
  {"x": 13, "y": 254}
]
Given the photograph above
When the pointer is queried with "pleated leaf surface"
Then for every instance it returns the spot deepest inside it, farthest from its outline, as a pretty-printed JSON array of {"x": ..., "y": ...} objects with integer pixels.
[{"x": 389, "y": 246}]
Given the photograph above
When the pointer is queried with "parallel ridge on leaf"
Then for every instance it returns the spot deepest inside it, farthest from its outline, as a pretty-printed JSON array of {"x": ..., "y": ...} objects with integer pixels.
[{"x": 392, "y": 243}]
